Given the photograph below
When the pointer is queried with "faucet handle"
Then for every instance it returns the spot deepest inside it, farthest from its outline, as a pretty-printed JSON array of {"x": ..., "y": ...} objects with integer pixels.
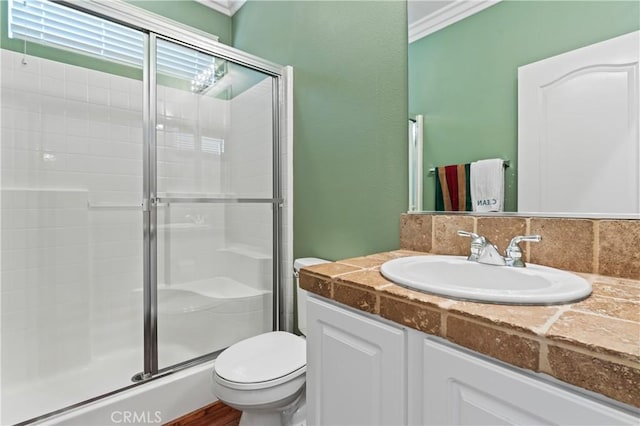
[
  {"x": 514, "y": 252},
  {"x": 477, "y": 244},
  {"x": 468, "y": 234}
]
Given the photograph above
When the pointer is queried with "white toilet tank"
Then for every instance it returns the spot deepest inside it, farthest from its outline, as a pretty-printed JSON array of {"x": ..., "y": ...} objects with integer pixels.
[{"x": 302, "y": 294}]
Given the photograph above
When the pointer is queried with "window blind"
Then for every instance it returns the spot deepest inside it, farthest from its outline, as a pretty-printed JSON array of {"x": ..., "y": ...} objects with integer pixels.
[{"x": 47, "y": 22}]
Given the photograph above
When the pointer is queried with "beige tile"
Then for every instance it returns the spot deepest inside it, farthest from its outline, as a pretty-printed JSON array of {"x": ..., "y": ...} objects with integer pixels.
[
  {"x": 623, "y": 289},
  {"x": 598, "y": 334},
  {"x": 390, "y": 255},
  {"x": 415, "y": 232},
  {"x": 317, "y": 285},
  {"x": 411, "y": 315},
  {"x": 510, "y": 348},
  {"x": 566, "y": 243},
  {"x": 355, "y": 297},
  {"x": 363, "y": 262},
  {"x": 417, "y": 297},
  {"x": 445, "y": 234},
  {"x": 615, "y": 308},
  {"x": 367, "y": 279},
  {"x": 619, "y": 253},
  {"x": 529, "y": 319},
  {"x": 500, "y": 230},
  {"x": 331, "y": 270},
  {"x": 616, "y": 381}
]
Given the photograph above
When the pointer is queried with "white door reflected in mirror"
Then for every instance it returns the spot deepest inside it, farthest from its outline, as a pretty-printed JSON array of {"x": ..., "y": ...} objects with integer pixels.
[{"x": 578, "y": 130}]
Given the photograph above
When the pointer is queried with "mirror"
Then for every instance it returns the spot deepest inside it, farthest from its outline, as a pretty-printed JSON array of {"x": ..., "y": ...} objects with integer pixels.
[{"x": 463, "y": 79}]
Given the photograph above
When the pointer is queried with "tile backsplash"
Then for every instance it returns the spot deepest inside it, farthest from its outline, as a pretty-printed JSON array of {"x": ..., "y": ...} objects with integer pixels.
[{"x": 601, "y": 246}]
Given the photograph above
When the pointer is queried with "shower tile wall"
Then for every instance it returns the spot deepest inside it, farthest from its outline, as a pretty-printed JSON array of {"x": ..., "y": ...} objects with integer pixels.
[
  {"x": 69, "y": 133},
  {"x": 66, "y": 129},
  {"x": 45, "y": 269}
]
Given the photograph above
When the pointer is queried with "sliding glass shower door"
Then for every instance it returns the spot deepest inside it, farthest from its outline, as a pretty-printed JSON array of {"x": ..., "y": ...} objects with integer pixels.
[
  {"x": 214, "y": 218},
  {"x": 71, "y": 224},
  {"x": 140, "y": 204}
]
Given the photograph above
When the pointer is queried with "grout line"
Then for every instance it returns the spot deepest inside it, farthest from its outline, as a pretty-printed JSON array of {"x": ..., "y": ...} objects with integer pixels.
[
  {"x": 433, "y": 232},
  {"x": 598, "y": 314},
  {"x": 544, "y": 328},
  {"x": 615, "y": 359},
  {"x": 543, "y": 357},
  {"x": 444, "y": 315},
  {"x": 596, "y": 247},
  {"x": 504, "y": 328},
  {"x": 527, "y": 231}
]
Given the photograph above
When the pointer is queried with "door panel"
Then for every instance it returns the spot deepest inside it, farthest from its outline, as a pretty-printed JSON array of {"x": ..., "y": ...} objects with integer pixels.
[
  {"x": 356, "y": 368},
  {"x": 578, "y": 136},
  {"x": 463, "y": 389},
  {"x": 215, "y": 218}
]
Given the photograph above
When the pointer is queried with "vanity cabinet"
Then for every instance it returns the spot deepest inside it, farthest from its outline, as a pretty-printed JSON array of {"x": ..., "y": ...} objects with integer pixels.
[
  {"x": 460, "y": 388},
  {"x": 356, "y": 368},
  {"x": 362, "y": 370}
]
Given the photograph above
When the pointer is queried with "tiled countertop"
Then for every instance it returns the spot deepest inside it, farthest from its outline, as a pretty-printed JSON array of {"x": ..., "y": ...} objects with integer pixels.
[{"x": 593, "y": 344}]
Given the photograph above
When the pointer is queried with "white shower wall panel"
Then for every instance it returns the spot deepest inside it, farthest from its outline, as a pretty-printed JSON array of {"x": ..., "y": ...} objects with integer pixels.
[
  {"x": 185, "y": 122},
  {"x": 116, "y": 274},
  {"x": 44, "y": 274},
  {"x": 250, "y": 150},
  {"x": 189, "y": 235},
  {"x": 250, "y": 142}
]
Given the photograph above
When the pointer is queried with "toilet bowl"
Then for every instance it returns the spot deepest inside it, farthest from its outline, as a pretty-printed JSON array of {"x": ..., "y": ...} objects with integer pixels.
[{"x": 264, "y": 376}]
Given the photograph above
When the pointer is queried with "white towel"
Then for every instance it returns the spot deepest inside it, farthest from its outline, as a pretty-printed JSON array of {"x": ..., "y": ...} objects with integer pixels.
[{"x": 487, "y": 185}]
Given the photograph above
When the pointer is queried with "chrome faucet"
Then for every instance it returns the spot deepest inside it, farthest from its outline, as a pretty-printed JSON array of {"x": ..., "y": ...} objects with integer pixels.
[{"x": 483, "y": 251}]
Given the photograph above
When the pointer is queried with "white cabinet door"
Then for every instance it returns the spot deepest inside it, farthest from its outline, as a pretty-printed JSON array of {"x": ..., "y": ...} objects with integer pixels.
[
  {"x": 578, "y": 130},
  {"x": 356, "y": 368},
  {"x": 463, "y": 389}
]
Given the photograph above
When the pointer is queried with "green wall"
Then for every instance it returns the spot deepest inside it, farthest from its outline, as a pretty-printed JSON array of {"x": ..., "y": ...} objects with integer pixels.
[
  {"x": 464, "y": 78},
  {"x": 350, "y": 116}
]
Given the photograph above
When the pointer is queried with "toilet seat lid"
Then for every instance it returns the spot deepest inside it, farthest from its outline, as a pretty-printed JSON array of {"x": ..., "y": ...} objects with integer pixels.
[{"x": 262, "y": 358}]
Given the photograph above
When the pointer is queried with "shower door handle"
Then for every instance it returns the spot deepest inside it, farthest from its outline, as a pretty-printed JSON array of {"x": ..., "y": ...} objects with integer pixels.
[{"x": 147, "y": 204}]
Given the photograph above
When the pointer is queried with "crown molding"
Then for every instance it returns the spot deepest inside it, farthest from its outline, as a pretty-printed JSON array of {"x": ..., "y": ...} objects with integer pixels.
[
  {"x": 446, "y": 16},
  {"x": 227, "y": 7},
  {"x": 236, "y": 5}
]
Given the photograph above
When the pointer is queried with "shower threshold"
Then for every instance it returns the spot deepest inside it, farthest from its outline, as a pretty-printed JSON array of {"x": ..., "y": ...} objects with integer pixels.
[{"x": 101, "y": 376}]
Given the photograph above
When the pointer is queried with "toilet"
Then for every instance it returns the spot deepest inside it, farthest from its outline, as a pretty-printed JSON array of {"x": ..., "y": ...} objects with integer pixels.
[{"x": 264, "y": 376}]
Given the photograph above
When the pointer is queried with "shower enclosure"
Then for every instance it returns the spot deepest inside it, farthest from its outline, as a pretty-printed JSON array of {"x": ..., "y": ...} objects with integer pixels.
[{"x": 142, "y": 201}]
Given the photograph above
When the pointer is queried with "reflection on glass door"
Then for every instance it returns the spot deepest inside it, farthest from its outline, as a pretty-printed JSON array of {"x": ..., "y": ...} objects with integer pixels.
[{"x": 214, "y": 183}]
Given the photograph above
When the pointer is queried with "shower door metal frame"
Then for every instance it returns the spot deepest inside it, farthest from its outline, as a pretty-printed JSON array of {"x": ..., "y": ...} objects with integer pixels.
[
  {"x": 154, "y": 27},
  {"x": 157, "y": 27}
]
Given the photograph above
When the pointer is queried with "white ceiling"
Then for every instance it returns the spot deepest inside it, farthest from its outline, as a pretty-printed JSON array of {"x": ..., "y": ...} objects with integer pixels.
[{"x": 424, "y": 16}]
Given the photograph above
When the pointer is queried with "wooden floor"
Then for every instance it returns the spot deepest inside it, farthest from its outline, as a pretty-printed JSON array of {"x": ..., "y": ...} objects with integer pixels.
[{"x": 216, "y": 414}]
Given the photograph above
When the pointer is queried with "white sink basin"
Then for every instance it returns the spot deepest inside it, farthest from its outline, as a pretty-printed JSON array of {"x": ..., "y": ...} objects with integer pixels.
[{"x": 456, "y": 277}]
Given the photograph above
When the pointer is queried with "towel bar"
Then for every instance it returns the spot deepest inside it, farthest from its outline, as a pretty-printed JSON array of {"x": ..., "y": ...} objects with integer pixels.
[{"x": 432, "y": 170}]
